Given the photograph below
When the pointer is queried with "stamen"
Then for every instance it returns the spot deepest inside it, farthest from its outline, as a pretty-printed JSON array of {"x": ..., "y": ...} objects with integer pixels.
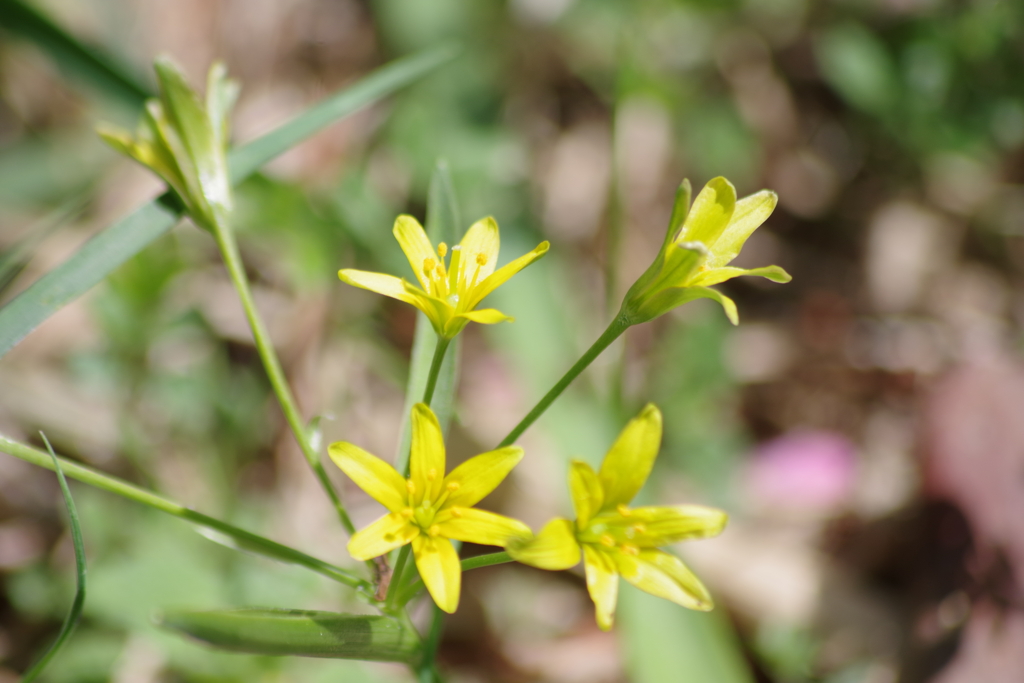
[
  {"x": 608, "y": 541},
  {"x": 434, "y": 530},
  {"x": 410, "y": 486},
  {"x": 481, "y": 259},
  {"x": 456, "y": 512},
  {"x": 453, "y": 486},
  {"x": 630, "y": 550},
  {"x": 623, "y": 510},
  {"x": 454, "y": 266},
  {"x": 407, "y": 513},
  {"x": 442, "y": 249},
  {"x": 432, "y": 474}
]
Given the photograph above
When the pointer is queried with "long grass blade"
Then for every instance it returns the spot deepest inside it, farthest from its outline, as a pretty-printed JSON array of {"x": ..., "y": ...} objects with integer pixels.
[
  {"x": 79, "y": 601},
  {"x": 118, "y": 243},
  {"x": 72, "y": 56},
  {"x": 210, "y": 527}
]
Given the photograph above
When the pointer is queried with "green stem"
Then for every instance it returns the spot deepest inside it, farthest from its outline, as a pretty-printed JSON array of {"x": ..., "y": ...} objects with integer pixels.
[
  {"x": 410, "y": 591},
  {"x": 229, "y": 248},
  {"x": 435, "y": 368},
  {"x": 427, "y": 669},
  {"x": 396, "y": 578},
  {"x": 614, "y": 331},
  {"x": 240, "y": 538}
]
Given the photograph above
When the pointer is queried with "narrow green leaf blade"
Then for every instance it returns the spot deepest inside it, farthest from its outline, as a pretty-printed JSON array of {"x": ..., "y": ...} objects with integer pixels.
[
  {"x": 665, "y": 642},
  {"x": 301, "y": 633},
  {"x": 380, "y": 83},
  {"x": 108, "y": 250},
  {"x": 443, "y": 225},
  {"x": 79, "y": 602},
  {"x": 71, "y": 55},
  {"x": 212, "y": 528}
]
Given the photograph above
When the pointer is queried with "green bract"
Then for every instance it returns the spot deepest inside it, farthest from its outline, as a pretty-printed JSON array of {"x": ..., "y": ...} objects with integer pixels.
[
  {"x": 700, "y": 243},
  {"x": 617, "y": 540},
  {"x": 183, "y": 141}
]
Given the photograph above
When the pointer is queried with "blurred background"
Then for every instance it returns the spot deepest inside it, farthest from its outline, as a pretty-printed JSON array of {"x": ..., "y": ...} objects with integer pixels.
[{"x": 861, "y": 425}]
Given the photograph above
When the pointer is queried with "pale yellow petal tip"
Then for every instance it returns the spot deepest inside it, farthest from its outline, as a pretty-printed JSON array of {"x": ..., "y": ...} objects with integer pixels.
[
  {"x": 542, "y": 248},
  {"x": 651, "y": 412}
]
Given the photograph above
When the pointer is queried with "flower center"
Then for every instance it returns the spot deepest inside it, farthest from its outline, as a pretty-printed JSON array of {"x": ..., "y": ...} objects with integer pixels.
[{"x": 449, "y": 282}]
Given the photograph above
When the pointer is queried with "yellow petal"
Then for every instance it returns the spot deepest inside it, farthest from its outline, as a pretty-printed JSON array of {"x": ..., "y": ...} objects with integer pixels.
[
  {"x": 500, "y": 276},
  {"x": 655, "y": 526},
  {"x": 602, "y": 584},
  {"x": 426, "y": 460},
  {"x": 438, "y": 564},
  {"x": 479, "y": 526},
  {"x": 717, "y": 275},
  {"x": 481, "y": 474},
  {"x": 479, "y": 251},
  {"x": 379, "y": 479},
  {"x": 487, "y": 316},
  {"x": 710, "y": 214},
  {"x": 631, "y": 457},
  {"x": 665, "y": 576},
  {"x": 677, "y": 296},
  {"x": 388, "y": 285},
  {"x": 750, "y": 213},
  {"x": 414, "y": 242},
  {"x": 439, "y": 312},
  {"x": 585, "y": 488},
  {"x": 554, "y": 548},
  {"x": 387, "y": 533}
]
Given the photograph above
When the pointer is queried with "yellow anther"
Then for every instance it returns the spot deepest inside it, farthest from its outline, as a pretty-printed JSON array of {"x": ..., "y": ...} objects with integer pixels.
[
  {"x": 432, "y": 474},
  {"x": 389, "y": 537},
  {"x": 608, "y": 541},
  {"x": 630, "y": 550},
  {"x": 407, "y": 513},
  {"x": 639, "y": 528},
  {"x": 410, "y": 486},
  {"x": 442, "y": 249},
  {"x": 456, "y": 512},
  {"x": 428, "y": 266},
  {"x": 453, "y": 486},
  {"x": 623, "y": 510},
  {"x": 434, "y": 530},
  {"x": 481, "y": 259}
]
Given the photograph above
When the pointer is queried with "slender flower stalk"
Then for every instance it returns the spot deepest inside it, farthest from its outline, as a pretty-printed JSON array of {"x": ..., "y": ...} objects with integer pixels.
[{"x": 185, "y": 142}]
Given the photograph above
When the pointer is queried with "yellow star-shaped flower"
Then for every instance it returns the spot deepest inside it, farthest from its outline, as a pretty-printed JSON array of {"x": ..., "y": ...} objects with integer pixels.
[
  {"x": 448, "y": 295},
  {"x": 429, "y": 508},
  {"x": 617, "y": 540},
  {"x": 700, "y": 243}
]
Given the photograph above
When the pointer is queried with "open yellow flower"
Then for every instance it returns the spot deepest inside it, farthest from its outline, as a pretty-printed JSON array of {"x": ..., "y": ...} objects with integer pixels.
[
  {"x": 617, "y": 540},
  {"x": 449, "y": 295},
  {"x": 429, "y": 508},
  {"x": 700, "y": 243}
]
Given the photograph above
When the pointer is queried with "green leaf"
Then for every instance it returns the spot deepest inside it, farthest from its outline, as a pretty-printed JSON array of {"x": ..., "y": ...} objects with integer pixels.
[
  {"x": 79, "y": 602},
  {"x": 212, "y": 528},
  {"x": 118, "y": 243},
  {"x": 443, "y": 223},
  {"x": 664, "y": 642},
  {"x": 300, "y": 632},
  {"x": 71, "y": 55}
]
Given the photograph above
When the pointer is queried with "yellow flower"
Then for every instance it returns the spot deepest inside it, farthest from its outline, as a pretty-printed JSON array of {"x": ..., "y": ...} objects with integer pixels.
[
  {"x": 617, "y": 540},
  {"x": 429, "y": 508},
  {"x": 700, "y": 243},
  {"x": 449, "y": 295}
]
